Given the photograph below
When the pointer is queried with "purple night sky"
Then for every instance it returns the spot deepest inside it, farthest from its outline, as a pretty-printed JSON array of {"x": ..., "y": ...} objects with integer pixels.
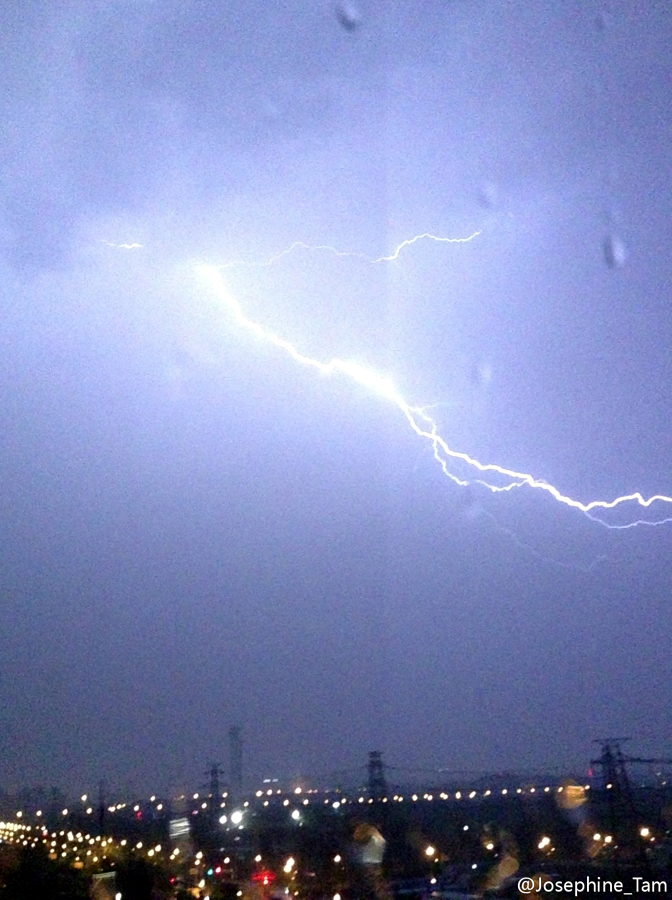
[{"x": 198, "y": 531}]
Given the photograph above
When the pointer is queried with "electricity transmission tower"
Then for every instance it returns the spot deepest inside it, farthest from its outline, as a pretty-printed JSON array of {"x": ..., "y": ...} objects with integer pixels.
[{"x": 624, "y": 818}]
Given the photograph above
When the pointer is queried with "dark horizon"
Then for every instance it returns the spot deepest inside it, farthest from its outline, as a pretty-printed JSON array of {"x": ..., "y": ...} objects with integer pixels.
[{"x": 399, "y": 777}]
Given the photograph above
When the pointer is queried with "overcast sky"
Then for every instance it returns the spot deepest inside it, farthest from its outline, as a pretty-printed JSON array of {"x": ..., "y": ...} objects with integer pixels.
[{"x": 198, "y": 531}]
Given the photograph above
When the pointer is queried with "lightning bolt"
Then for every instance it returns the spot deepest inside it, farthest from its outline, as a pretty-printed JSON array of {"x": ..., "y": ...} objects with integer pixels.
[
  {"x": 461, "y": 468},
  {"x": 300, "y": 245},
  {"x": 122, "y": 246}
]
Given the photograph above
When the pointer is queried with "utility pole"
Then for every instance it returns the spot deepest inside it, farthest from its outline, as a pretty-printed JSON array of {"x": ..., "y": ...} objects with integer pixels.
[
  {"x": 101, "y": 808},
  {"x": 236, "y": 759}
]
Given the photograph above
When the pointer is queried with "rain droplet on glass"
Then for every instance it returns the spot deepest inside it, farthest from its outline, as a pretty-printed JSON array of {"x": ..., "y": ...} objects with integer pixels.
[
  {"x": 488, "y": 195},
  {"x": 615, "y": 253},
  {"x": 348, "y": 15}
]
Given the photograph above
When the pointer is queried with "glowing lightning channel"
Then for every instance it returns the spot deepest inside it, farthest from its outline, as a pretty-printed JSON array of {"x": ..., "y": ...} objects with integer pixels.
[
  {"x": 301, "y": 245},
  {"x": 134, "y": 246},
  {"x": 418, "y": 419}
]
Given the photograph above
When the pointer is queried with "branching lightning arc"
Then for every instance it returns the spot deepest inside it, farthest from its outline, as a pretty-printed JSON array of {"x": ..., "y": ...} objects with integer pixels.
[{"x": 490, "y": 476}]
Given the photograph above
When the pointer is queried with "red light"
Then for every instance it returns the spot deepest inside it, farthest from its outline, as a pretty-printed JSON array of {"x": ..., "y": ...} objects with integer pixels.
[
  {"x": 138, "y": 815},
  {"x": 218, "y": 870},
  {"x": 265, "y": 877}
]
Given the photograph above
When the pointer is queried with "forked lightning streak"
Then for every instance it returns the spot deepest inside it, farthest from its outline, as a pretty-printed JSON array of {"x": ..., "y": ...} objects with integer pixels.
[{"x": 490, "y": 476}]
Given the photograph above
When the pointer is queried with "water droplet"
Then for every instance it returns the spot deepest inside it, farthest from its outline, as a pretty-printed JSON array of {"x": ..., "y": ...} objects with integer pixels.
[
  {"x": 615, "y": 253},
  {"x": 481, "y": 374},
  {"x": 488, "y": 195},
  {"x": 348, "y": 15}
]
